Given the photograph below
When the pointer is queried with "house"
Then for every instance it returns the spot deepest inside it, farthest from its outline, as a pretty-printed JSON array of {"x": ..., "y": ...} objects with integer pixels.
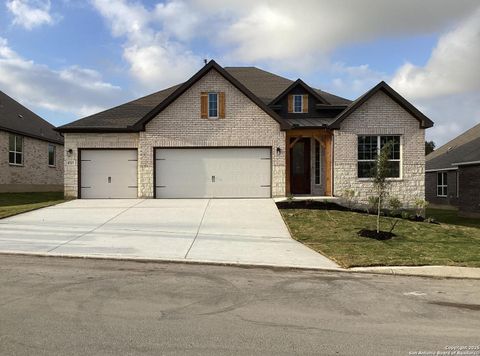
[
  {"x": 31, "y": 151},
  {"x": 452, "y": 176},
  {"x": 245, "y": 132}
]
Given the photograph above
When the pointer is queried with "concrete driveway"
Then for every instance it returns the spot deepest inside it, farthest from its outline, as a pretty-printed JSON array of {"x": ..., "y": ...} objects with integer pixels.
[{"x": 244, "y": 231}]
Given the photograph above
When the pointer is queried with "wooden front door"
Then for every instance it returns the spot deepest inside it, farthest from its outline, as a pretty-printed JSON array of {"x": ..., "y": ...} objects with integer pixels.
[{"x": 300, "y": 167}]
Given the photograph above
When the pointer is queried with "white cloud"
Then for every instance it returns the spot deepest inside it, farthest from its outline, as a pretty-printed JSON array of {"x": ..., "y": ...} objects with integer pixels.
[
  {"x": 155, "y": 57},
  {"x": 31, "y": 13},
  {"x": 452, "y": 67},
  {"x": 70, "y": 90},
  {"x": 447, "y": 87}
]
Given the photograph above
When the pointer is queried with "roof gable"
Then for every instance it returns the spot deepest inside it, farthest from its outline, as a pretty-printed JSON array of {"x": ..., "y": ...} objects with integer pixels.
[
  {"x": 305, "y": 87},
  {"x": 16, "y": 118},
  {"x": 212, "y": 65},
  {"x": 424, "y": 121}
]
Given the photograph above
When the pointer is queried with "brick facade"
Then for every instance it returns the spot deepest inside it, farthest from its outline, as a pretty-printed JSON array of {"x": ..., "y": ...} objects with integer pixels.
[
  {"x": 380, "y": 115},
  {"x": 74, "y": 141},
  {"x": 469, "y": 190},
  {"x": 34, "y": 174},
  {"x": 180, "y": 125},
  {"x": 431, "y": 189}
]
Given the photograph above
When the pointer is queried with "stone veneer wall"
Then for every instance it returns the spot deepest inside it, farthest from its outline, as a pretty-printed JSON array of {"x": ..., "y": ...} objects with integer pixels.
[
  {"x": 180, "y": 125},
  {"x": 380, "y": 115},
  {"x": 35, "y": 174},
  {"x": 74, "y": 141}
]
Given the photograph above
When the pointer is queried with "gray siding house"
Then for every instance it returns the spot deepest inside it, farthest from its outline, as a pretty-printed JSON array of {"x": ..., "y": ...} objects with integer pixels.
[
  {"x": 31, "y": 151},
  {"x": 452, "y": 176},
  {"x": 244, "y": 132}
]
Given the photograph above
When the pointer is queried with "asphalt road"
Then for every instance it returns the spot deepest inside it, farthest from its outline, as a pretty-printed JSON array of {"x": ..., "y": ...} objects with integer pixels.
[{"x": 51, "y": 306}]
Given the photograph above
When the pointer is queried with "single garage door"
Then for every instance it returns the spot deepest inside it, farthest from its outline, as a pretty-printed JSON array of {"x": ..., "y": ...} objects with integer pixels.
[
  {"x": 108, "y": 174},
  {"x": 213, "y": 173}
]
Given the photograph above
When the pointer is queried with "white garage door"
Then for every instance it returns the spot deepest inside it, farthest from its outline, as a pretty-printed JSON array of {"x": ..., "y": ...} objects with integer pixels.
[
  {"x": 213, "y": 173},
  {"x": 108, "y": 174}
]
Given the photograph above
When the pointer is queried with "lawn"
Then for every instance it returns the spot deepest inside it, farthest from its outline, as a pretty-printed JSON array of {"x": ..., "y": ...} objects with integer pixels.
[
  {"x": 16, "y": 203},
  {"x": 451, "y": 217},
  {"x": 334, "y": 234}
]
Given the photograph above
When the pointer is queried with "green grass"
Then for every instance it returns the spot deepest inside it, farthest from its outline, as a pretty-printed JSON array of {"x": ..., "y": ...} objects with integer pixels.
[
  {"x": 451, "y": 217},
  {"x": 334, "y": 234},
  {"x": 16, "y": 203}
]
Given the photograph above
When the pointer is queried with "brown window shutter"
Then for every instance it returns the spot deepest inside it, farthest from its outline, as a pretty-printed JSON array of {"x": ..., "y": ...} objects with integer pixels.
[
  {"x": 221, "y": 105},
  {"x": 290, "y": 103},
  {"x": 204, "y": 105},
  {"x": 305, "y": 103}
]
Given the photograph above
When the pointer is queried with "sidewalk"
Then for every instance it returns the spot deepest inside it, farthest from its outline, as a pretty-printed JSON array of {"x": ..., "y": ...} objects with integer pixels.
[{"x": 425, "y": 271}]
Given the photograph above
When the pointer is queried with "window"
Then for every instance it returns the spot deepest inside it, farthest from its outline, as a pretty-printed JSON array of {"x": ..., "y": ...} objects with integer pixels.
[
  {"x": 442, "y": 186},
  {"x": 298, "y": 103},
  {"x": 317, "y": 162},
  {"x": 15, "y": 150},
  {"x": 212, "y": 105},
  {"x": 51, "y": 155},
  {"x": 368, "y": 149}
]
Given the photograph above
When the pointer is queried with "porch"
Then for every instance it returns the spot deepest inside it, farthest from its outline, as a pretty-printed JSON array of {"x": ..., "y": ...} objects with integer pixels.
[{"x": 309, "y": 163}]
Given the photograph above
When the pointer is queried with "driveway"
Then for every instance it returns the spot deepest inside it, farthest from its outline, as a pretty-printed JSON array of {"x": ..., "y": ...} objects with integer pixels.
[{"x": 243, "y": 231}]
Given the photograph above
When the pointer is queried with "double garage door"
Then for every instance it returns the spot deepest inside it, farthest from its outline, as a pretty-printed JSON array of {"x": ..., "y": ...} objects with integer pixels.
[{"x": 180, "y": 173}]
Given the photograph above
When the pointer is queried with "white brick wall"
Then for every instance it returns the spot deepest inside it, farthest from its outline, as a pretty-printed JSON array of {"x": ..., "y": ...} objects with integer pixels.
[
  {"x": 180, "y": 125},
  {"x": 74, "y": 141},
  {"x": 380, "y": 115}
]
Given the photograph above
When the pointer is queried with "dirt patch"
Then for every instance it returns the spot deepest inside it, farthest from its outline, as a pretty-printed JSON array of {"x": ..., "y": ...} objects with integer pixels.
[{"x": 373, "y": 234}]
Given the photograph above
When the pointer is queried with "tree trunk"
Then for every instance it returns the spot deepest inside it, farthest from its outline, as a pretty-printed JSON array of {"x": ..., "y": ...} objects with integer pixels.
[{"x": 378, "y": 212}]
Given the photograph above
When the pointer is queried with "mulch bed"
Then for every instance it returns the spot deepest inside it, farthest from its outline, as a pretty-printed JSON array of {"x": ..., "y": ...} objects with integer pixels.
[{"x": 373, "y": 234}]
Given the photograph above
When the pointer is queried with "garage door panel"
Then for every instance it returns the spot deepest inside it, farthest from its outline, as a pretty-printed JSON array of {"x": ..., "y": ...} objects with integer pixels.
[
  {"x": 109, "y": 174},
  {"x": 213, "y": 172}
]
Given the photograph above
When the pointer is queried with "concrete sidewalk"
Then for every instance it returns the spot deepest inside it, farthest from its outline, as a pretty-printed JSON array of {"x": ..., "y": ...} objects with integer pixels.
[
  {"x": 229, "y": 231},
  {"x": 425, "y": 271}
]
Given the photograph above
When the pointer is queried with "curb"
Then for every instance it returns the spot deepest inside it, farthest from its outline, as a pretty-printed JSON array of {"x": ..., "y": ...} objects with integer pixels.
[{"x": 391, "y": 272}]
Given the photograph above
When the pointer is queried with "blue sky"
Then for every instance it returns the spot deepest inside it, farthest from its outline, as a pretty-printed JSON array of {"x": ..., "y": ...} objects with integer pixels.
[{"x": 66, "y": 59}]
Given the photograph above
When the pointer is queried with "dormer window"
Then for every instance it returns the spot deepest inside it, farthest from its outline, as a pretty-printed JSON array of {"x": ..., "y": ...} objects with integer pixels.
[{"x": 298, "y": 103}]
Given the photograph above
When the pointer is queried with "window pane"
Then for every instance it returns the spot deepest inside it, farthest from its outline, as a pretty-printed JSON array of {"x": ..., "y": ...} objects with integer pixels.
[
  {"x": 394, "y": 169},
  {"x": 51, "y": 155},
  {"x": 212, "y": 105},
  {"x": 18, "y": 158},
  {"x": 395, "y": 148},
  {"x": 439, "y": 191},
  {"x": 366, "y": 169},
  {"x": 317, "y": 162},
  {"x": 11, "y": 142},
  {"x": 367, "y": 147},
  {"x": 297, "y": 103},
  {"x": 11, "y": 157},
  {"x": 19, "y": 145},
  {"x": 445, "y": 175}
]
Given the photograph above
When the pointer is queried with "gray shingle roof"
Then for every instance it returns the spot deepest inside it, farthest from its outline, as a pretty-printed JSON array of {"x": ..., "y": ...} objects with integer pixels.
[
  {"x": 264, "y": 85},
  {"x": 14, "y": 117},
  {"x": 463, "y": 148}
]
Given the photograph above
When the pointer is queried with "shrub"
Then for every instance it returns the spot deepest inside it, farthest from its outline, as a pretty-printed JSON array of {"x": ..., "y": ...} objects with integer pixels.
[
  {"x": 420, "y": 206},
  {"x": 349, "y": 195}
]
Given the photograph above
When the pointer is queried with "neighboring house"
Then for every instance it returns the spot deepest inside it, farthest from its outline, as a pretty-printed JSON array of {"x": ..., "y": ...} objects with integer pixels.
[
  {"x": 453, "y": 173},
  {"x": 31, "y": 151},
  {"x": 245, "y": 132}
]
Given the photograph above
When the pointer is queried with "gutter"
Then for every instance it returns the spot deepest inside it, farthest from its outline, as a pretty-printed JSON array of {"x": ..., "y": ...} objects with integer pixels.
[{"x": 465, "y": 163}]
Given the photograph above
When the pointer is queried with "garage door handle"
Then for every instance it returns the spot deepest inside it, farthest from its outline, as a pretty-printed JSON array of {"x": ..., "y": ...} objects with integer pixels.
[
  {"x": 109, "y": 179},
  {"x": 213, "y": 179}
]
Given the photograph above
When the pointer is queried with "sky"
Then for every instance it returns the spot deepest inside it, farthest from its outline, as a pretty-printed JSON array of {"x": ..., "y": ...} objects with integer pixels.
[{"x": 66, "y": 59}]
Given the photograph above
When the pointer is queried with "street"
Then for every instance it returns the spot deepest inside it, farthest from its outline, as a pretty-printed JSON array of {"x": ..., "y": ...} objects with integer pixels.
[{"x": 56, "y": 306}]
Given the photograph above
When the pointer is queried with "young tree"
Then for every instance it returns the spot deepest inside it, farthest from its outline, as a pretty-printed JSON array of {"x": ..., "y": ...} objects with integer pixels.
[{"x": 380, "y": 181}]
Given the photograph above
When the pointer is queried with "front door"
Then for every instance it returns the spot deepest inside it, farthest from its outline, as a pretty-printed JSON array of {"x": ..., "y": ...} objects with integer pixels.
[{"x": 300, "y": 167}]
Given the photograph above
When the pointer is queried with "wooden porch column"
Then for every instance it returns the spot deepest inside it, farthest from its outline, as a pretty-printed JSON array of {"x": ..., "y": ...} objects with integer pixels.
[{"x": 328, "y": 165}]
